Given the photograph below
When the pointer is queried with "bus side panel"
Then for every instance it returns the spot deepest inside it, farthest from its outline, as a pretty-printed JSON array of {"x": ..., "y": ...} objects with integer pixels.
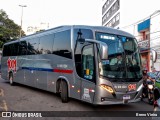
[
  {"x": 62, "y": 68},
  {"x": 20, "y": 72}
]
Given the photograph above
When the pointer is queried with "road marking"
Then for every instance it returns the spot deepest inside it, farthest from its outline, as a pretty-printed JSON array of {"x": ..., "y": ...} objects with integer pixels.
[
  {"x": 1, "y": 92},
  {"x": 4, "y": 106}
]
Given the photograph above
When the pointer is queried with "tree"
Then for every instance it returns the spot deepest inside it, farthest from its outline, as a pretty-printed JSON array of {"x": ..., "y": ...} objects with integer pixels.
[{"x": 8, "y": 29}]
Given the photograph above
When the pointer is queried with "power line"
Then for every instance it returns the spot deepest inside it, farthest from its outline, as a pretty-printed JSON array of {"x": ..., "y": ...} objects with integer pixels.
[
  {"x": 148, "y": 33},
  {"x": 139, "y": 21}
]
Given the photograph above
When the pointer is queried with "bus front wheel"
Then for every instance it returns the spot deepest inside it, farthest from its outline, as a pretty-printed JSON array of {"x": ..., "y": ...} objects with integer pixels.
[{"x": 64, "y": 91}]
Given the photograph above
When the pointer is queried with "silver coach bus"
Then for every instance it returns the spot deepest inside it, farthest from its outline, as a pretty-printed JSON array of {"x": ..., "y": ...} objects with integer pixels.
[{"x": 94, "y": 64}]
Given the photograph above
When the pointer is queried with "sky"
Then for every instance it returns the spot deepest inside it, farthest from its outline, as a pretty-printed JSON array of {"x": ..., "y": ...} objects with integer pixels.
[
  {"x": 54, "y": 12},
  {"x": 71, "y": 12}
]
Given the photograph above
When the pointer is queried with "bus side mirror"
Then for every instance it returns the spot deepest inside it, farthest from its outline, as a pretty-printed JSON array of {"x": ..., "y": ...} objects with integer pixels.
[
  {"x": 103, "y": 51},
  {"x": 153, "y": 55},
  {"x": 81, "y": 40},
  {"x": 103, "y": 48}
]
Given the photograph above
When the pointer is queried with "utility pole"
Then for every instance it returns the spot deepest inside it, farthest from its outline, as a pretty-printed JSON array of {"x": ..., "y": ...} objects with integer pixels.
[{"x": 22, "y": 6}]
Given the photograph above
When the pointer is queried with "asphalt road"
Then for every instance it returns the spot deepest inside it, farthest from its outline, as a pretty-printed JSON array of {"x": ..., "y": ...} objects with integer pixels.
[{"x": 24, "y": 98}]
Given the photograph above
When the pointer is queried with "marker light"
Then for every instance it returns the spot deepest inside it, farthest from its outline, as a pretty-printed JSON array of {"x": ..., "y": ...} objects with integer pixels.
[{"x": 106, "y": 87}]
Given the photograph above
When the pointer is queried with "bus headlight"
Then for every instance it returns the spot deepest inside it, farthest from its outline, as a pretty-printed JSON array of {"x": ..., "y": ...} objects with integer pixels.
[
  {"x": 140, "y": 87},
  {"x": 150, "y": 86},
  {"x": 106, "y": 87}
]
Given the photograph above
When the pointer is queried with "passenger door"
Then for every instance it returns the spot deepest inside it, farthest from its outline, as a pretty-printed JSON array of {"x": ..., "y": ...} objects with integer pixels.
[{"x": 88, "y": 73}]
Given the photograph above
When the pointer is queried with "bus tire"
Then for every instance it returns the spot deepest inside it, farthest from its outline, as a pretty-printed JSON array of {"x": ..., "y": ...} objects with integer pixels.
[
  {"x": 11, "y": 79},
  {"x": 64, "y": 91}
]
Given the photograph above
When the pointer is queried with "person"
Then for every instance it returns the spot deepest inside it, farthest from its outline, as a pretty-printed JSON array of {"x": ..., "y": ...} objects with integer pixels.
[
  {"x": 145, "y": 78},
  {"x": 153, "y": 69},
  {"x": 117, "y": 60}
]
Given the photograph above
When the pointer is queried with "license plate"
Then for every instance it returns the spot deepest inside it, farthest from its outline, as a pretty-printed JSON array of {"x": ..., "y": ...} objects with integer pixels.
[{"x": 126, "y": 97}]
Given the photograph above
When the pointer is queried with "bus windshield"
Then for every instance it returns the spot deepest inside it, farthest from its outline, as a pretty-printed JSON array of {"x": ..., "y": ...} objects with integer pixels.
[{"x": 123, "y": 58}]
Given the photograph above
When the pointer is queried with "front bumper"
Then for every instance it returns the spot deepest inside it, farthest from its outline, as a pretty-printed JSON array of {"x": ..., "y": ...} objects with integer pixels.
[{"x": 105, "y": 98}]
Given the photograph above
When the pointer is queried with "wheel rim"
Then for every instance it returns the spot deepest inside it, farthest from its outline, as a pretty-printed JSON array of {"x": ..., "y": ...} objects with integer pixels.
[{"x": 11, "y": 80}]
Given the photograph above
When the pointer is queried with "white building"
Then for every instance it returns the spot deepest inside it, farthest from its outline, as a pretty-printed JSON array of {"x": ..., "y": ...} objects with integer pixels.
[
  {"x": 140, "y": 18},
  {"x": 37, "y": 28}
]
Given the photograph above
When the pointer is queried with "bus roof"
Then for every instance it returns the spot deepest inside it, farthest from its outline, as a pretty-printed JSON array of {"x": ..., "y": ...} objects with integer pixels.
[
  {"x": 106, "y": 29},
  {"x": 94, "y": 28}
]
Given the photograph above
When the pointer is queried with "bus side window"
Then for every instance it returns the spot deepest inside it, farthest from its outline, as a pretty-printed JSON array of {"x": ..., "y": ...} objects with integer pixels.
[
  {"x": 5, "y": 50},
  {"x": 88, "y": 63},
  {"x": 62, "y": 44},
  {"x": 33, "y": 46},
  {"x": 78, "y": 59},
  {"x": 46, "y": 44},
  {"x": 22, "y": 48},
  {"x": 86, "y": 34}
]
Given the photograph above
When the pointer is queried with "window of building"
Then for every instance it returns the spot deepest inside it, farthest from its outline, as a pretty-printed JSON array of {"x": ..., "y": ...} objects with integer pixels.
[
  {"x": 117, "y": 17},
  {"x": 113, "y": 20},
  {"x": 107, "y": 14},
  {"x": 118, "y": 4},
  {"x": 107, "y": 2}
]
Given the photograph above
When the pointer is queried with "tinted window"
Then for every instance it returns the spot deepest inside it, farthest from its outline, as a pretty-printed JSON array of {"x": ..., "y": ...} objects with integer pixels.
[
  {"x": 14, "y": 49},
  {"x": 78, "y": 59},
  {"x": 10, "y": 50},
  {"x": 22, "y": 48},
  {"x": 5, "y": 50},
  {"x": 86, "y": 34},
  {"x": 62, "y": 44},
  {"x": 84, "y": 61},
  {"x": 46, "y": 44},
  {"x": 33, "y": 46}
]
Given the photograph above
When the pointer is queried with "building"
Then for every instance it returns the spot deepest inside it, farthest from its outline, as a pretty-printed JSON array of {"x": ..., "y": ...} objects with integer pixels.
[
  {"x": 34, "y": 29},
  {"x": 111, "y": 13},
  {"x": 123, "y": 14}
]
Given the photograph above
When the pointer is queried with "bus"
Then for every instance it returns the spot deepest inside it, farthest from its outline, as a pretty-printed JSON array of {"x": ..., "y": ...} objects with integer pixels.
[
  {"x": 94, "y": 64},
  {"x": 0, "y": 60}
]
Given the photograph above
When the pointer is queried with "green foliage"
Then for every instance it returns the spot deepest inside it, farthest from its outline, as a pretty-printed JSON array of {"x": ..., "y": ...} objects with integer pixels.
[{"x": 8, "y": 29}]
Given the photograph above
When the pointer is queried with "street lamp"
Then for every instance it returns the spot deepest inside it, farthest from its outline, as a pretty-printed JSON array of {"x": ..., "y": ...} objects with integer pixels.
[{"x": 21, "y": 19}]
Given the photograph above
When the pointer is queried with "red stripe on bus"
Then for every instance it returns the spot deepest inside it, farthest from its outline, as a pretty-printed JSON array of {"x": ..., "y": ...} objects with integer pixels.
[{"x": 63, "y": 71}]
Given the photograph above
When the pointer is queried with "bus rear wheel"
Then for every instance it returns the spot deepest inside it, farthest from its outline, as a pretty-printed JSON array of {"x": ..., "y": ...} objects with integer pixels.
[
  {"x": 64, "y": 91},
  {"x": 11, "y": 79}
]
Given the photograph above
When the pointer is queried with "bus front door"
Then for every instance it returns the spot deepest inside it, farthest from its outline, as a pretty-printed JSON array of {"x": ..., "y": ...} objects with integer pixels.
[{"x": 88, "y": 73}]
